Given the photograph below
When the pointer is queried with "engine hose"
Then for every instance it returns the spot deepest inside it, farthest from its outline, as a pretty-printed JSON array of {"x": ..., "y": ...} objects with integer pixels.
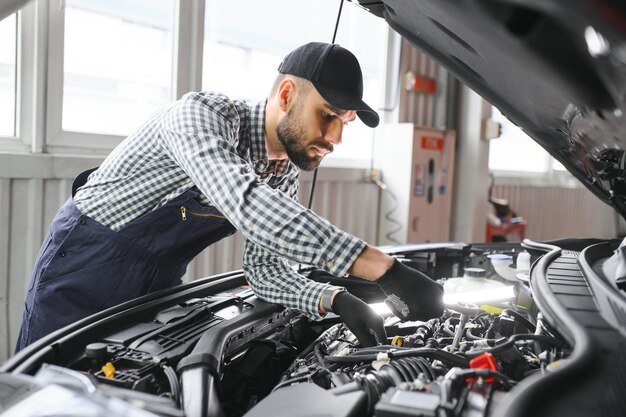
[
  {"x": 376, "y": 383},
  {"x": 448, "y": 327},
  {"x": 521, "y": 319},
  {"x": 404, "y": 372},
  {"x": 469, "y": 335},
  {"x": 491, "y": 330},
  {"x": 433, "y": 353},
  {"x": 511, "y": 342},
  {"x": 330, "y": 334},
  {"x": 408, "y": 369},
  {"x": 318, "y": 354},
  {"x": 443, "y": 341},
  {"x": 440, "y": 354},
  {"x": 172, "y": 379},
  {"x": 424, "y": 367},
  {"x": 377, "y": 348}
]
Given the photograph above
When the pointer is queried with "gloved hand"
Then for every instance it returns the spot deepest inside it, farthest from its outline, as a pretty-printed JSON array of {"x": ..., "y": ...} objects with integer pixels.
[
  {"x": 411, "y": 295},
  {"x": 366, "y": 325}
]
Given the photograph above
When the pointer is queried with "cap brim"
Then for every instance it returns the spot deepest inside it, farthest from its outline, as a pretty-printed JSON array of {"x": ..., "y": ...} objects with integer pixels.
[{"x": 365, "y": 112}]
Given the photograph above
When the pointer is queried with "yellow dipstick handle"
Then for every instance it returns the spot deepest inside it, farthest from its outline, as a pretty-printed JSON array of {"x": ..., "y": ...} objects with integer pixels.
[
  {"x": 109, "y": 370},
  {"x": 397, "y": 341}
]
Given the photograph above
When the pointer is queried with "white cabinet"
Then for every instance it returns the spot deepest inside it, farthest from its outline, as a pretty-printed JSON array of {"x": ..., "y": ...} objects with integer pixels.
[{"x": 417, "y": 166}]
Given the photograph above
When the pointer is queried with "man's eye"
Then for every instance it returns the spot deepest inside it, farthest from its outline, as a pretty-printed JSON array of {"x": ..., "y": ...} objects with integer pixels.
[{"x": 327, "y": 116}]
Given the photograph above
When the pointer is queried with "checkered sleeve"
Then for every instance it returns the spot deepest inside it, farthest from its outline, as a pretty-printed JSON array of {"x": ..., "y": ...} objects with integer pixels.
[
  {"x": 274, "y": 280},
  {"x": 199, "y": 133}
]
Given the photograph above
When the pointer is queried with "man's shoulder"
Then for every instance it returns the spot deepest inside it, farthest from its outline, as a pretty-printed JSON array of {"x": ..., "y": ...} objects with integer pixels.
[
  {"x": 207, "y": 110},
  {"x": 216, "y": 102}
]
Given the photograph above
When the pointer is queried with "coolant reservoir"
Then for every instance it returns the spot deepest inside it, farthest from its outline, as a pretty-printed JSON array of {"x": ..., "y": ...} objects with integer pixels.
[
  {"x": 500, "y": 263},
  {"x": 523, "y": 261},
  {"x": 474, "y": 279}
]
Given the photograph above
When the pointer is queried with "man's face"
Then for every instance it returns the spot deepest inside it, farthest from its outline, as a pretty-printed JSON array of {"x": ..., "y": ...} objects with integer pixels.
[{"x": 310, "y": 129}]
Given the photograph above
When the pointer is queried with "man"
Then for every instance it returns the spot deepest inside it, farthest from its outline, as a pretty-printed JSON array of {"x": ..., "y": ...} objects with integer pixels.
[{"x": 200, "y": 169}]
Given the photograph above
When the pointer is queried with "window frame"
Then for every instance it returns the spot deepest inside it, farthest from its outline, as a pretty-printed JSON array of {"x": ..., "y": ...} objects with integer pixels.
[
  {"x": 18, "y": 143},
  {"x": 551, "y": 177},
  {"x": 187, "y": 24},
  {"x": 548, "y": 177}
]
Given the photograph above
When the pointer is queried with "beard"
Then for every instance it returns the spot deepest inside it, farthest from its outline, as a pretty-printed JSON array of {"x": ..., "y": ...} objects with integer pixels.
[{"x": 292, "y": 136}]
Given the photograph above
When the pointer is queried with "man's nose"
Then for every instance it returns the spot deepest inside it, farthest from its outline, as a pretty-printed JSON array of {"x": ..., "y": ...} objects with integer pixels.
[{"x": 333, "y": 132}]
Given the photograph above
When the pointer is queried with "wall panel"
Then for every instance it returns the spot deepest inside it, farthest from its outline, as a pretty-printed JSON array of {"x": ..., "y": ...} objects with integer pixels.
[
  {"x": 573, "y": 212},
  {"x": 419, "y": 107},
  {"x": 5, "y": 196}
]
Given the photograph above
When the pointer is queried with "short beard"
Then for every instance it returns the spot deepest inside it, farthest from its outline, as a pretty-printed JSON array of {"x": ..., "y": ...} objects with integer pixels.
[{"x": 291, "y": 135}]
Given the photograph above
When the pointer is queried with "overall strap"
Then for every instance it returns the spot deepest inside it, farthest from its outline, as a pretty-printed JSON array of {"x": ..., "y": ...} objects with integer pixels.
[{"x": 81, "y": 179}]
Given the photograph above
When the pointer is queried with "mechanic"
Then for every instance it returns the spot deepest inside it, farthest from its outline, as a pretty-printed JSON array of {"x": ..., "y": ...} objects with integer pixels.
[{"x": 203, "y": 167}]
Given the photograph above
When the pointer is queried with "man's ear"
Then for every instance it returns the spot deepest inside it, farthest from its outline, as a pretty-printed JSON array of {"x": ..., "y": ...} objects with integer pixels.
[{"x": 286, "y": 93}]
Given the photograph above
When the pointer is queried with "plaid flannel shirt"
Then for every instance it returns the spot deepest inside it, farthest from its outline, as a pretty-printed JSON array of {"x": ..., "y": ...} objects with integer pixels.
[{"x": 218, "y": 145}]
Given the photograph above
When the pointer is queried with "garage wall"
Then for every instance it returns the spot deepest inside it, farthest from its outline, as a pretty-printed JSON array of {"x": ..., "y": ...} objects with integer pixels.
[
  {"x": 33, "y": 187},
  {"x": 574, "y": 212},
  {"x": 418, "y": 107}
]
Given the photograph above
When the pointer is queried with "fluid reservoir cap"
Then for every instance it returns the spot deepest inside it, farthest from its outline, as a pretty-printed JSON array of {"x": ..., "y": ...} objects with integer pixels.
[
  {"x": 96, "y": 351},
  {"x": 475, "y": 273}
]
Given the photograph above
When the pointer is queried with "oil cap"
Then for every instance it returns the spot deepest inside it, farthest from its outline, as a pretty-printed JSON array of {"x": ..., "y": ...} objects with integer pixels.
[{"x": 96, "y": 351}]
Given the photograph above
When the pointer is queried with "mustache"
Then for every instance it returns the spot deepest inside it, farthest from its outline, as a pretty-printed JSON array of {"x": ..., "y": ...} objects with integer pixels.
[{"x": 323, "y": 145}]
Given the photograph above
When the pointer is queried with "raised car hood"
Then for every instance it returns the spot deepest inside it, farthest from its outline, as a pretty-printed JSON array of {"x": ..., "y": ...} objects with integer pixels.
[{"x": 555, "y": 68}]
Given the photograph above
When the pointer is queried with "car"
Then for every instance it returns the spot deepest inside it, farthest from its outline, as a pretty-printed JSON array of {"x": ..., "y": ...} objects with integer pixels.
[{"x": 529, "y": 329}]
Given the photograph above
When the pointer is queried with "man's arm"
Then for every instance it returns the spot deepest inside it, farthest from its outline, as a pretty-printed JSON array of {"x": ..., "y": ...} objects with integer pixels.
[
  {"x": 371, "y": 264},
  {"x": 275, "y": 281}
]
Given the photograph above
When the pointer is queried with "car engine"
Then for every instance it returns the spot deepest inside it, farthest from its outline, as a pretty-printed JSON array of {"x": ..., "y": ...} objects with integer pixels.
[{"x": 218, "y": 350}]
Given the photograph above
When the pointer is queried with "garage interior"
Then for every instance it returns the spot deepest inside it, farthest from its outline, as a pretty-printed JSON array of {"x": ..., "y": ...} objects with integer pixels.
[{"x": 422, "y": 107}]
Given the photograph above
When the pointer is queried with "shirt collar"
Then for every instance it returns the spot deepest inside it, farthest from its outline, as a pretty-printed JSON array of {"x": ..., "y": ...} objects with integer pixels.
[
  {"x": 263, "y": 166},
  {"x": 258, "y": 150}
]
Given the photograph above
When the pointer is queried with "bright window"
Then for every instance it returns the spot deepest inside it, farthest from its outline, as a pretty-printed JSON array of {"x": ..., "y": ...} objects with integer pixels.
[
  {"x": 118, "y": 63},
  {"x": 515, "y": 150},
  {"x": 245, "y": 40},
  {"x": 8, "y": 75}
]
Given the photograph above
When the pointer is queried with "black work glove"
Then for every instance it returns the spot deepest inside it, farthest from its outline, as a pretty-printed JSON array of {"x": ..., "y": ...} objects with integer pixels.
[
  {"x": 411, "y": 295},
  {"x": 366, "y": 325}
]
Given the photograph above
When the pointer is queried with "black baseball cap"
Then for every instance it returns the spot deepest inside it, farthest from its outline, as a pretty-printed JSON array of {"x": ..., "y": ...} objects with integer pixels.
[{"x": 336, "y": 74}]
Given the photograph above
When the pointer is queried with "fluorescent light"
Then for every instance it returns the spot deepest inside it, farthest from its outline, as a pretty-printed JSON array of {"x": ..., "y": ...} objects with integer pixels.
[
  {"x": 482, "y": 296},
  {"x": 504, "y": 293},
  {"x": 596, "y": 43},
  {"x": 380, "y": 308}
]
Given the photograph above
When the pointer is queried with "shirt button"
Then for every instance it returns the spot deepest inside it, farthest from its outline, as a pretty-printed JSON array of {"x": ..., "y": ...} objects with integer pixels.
[
  {"x": 282, "y": 251},
  {"x": 330, "y": 264},
  {"x": 62, "y": 254},
  {"x": 82, "y": 222}
]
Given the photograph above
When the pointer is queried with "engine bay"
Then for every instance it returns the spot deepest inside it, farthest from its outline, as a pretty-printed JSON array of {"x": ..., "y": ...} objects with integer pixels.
[{"x": 228, "y": 353}]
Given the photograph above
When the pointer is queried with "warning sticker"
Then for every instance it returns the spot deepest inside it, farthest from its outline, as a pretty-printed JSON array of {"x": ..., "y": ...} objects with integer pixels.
[{"x": 432, "y": 143}]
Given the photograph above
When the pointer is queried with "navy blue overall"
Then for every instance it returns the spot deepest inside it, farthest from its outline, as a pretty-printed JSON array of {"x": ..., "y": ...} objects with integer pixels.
[{"x": 84, "y": 267}]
